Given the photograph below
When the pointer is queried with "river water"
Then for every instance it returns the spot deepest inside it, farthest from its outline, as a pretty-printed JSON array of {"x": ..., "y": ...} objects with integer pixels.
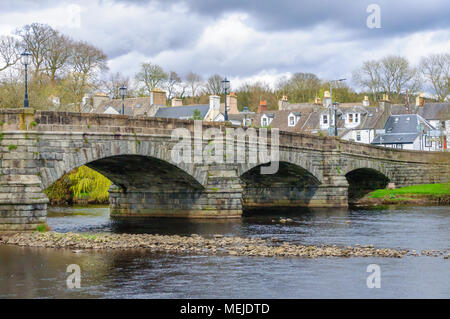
[{"x": 41, "y": 273}]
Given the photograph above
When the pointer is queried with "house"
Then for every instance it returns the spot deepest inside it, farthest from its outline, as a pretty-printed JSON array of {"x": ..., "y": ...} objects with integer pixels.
[
  {"x": 438, "y": 115},
  {"x": 135, "y": 106},
  {"x": 207, "y": 112},
  {"x": 408, "y": 131}
]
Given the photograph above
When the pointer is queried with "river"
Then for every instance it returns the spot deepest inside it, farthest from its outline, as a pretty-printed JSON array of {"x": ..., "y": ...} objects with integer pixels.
[{"x": 41, "y": 273}]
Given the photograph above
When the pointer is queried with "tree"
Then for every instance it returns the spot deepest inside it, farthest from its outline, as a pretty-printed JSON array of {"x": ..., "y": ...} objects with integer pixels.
[
  {"x": 35, "y": 39},
  {"x": 112, "y": 84},
  {"x": 171, "y": 84},
  {"x": 250, "y": 95},
  {"x": 214, "y": 85},
  {"x": 9, "y": 52},
  {"x": 436, "y": 70},
  {"x": 197, "y": 115},
  {"x": 86, "y": 63},
  {"x": 194, "y": 82},
  {"x": 58, "y": 54},
  {"x": 151, "y": 76},
  {"x": 392, "y": 75},
  {"x": 368, "y": 76},
  {"x": 301, "y": 87}
]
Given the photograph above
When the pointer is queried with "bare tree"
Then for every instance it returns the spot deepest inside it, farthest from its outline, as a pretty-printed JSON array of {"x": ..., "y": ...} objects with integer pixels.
[
  {"x": 9, "y": 52},
  {"x": 58, "y": 54},
  {"x": 397, "y": 76},
  {"x": 86, "y": 63},
  {"x": 151, "y": 76},
  {"x": 436, "y": 70},
  {"x": 368, "y": 76},
  {"x": 214, "y": 84},
  {"x": 194, "y": 82},
  {"x": 171, "y": 84},
  {"x": 392, "y": 75},
  {"x": 112, "y": 84},
  {"x": 35, "y": 39}
]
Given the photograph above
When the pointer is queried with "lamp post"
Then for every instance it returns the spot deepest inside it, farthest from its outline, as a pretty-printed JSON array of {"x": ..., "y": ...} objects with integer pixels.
[
  {"x": 226, "y": 87},
  {"x": 26, "y": 59},
  {"x": 245, "y": 111},
  {"x": 123, "y": 93},
  {"x": 331, "y": 96},
  {"x": 335, "y": 107}
]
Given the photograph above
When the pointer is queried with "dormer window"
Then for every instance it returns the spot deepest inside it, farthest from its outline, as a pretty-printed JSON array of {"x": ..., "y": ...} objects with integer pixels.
[
  {"x": 325, "y": 119},
  {"x": 291, "y": 120},
  {"x": 264, "y": 121},
  {"x": 356, "y": 117}
]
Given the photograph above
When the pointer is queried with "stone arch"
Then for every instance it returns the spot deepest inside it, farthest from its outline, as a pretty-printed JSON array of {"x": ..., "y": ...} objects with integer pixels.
[
  {"x": 291, "y": 186},
  {"x": 304, "y": 161},
  {"x": 55, "y": 163},
  {"x": 363, "y": 180}
]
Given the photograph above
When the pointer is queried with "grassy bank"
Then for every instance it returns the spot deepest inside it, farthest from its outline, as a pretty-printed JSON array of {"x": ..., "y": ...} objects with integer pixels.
[
  {"x": 427, "y": 189},
  {"x": 81, "y": 186},
  {"x": 427, "y": 194}
]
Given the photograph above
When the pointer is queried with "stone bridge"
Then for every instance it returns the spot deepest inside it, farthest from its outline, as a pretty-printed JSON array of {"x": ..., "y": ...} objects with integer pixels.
[{"x": 39, "y": 147}]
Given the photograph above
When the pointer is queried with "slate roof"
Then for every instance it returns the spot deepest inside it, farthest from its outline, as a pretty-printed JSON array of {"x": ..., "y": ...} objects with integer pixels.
[
  {"x": 435, "y": 111},
  {"x": 401, "y": 129},
  {"x": 182, "y": 112},
  {"x": 133, "y": 106},
  {"x": 396, "y": 138}
]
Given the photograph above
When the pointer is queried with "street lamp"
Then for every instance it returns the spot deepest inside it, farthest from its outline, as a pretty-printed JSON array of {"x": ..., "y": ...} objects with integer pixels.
[
  {"x": 331, "y": 96},
  {"x": 335, "y": 107},
  {"x": 226, "y": 87},
  {"x": 26, "y": 60},
  {"x": 123, "y": 93},
  {"x": 245, "y": 111}
]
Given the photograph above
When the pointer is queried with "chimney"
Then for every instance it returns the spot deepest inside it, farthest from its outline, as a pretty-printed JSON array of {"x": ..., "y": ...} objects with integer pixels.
[
  {"x": 326, "y": 99},
  {"x": 385, "y": 110},
  {"x": 158, "y": 97},
  {"x": 420, "y": 99},
  {"x": 318, "y": 101},
  {"x": 177, "y": 102},
  {"x": 214, "y": 103},
  {"x": 366, "y": 101},
  {"x": 262, "y": 107},
  {"x": 283, "y": 103},
  {"x": 232, "y": 103}
]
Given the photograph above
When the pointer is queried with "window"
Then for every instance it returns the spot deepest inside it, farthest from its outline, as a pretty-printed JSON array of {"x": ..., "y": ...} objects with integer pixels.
[
  {"x": 428, "y": 141},
  {"x": 264, "y": 121},
  {"x": 358, "y": 136},
  {"x": 357, "y": 118},
  {"x": 350, "y": 118},
  {"x": 291, "y": 121},
  {"x": 325, "y": 119}
]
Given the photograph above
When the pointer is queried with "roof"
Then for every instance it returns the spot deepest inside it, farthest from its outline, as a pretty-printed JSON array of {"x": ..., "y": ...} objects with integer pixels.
[
  {"x": 404, "y": 123},
  {"x": 133, "y": 106},
  {"x": 435, "y": 111},
  {"x": 396, "y": 138},
  {"x": 182, "y": 112}
]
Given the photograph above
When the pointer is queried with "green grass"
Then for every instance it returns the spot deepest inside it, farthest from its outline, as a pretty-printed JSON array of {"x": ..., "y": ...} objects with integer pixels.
[{"x": 426, "y": 189}]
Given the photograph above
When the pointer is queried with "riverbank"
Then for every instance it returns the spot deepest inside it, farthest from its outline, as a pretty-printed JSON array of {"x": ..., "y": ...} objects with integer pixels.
[
  {"x": 195, "y": 244},
  {"x": 416, "y": 195}
]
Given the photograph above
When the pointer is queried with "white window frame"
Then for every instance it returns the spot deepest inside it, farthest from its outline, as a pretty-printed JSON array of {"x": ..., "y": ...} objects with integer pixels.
[{"x": 291, "y": 120}]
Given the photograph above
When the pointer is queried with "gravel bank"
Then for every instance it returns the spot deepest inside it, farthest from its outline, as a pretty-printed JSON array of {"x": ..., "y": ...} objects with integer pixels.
[{"x": 217, "y": 245}]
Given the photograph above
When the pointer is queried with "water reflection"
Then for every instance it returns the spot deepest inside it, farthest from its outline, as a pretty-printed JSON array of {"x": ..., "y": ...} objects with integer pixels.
[{"x": 41, "y": 273}]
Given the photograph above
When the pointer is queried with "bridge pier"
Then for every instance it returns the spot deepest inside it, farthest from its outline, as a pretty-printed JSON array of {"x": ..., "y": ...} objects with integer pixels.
[
  {"x": 222, "y": 198},
  {"x": 23, "y": 205}
]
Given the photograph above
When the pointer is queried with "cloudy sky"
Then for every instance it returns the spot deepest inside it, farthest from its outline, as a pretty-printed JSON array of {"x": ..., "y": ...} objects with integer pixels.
[{"x": 243, "y": 39}]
